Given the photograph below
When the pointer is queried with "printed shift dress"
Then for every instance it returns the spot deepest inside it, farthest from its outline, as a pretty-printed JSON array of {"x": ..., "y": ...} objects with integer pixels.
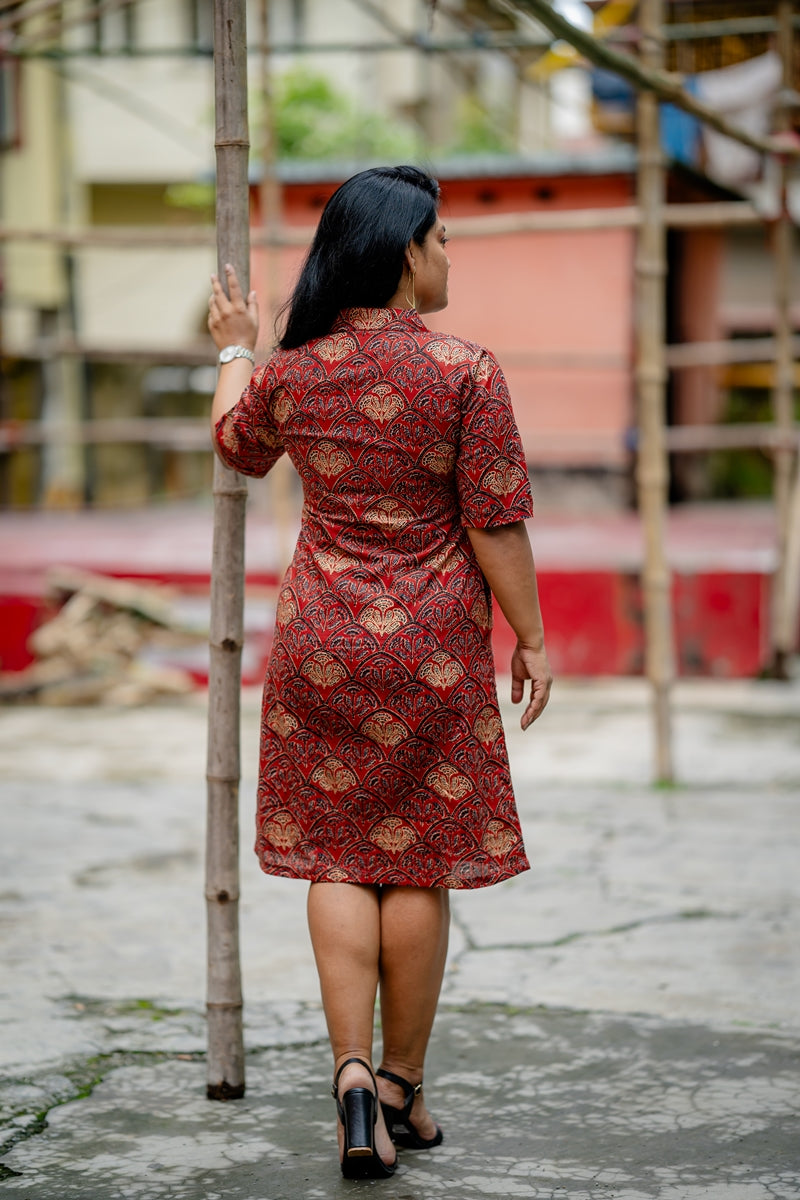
[{"x": 382, "y": 751}]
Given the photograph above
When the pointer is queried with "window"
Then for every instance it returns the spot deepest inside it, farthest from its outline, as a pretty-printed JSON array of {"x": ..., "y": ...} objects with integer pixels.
[
  {"x": 201, "y": 23},
  {"x": 111, "y": 31}
]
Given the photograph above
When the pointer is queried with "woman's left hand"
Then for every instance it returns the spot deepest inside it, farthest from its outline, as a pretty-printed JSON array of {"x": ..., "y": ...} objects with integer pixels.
[
  {"x": 529, "y": 663},
  {"x": 232, "y": 320}
]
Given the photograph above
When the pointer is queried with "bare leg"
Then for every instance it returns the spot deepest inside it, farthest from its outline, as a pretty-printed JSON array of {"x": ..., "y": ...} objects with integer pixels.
[
  {"x": 414, "y": 926},
  {"x": 344, "y": 923}
]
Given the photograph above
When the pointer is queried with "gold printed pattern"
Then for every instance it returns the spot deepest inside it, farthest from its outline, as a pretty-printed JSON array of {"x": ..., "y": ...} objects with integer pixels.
[
  {"x": 503, "y": 480},
  {"x": 337, "y": 875},
  {"x": 368, "y": 318},
  {"x": 393, "y": 835},
  {"x": 485, "y": 369},
  {"x": 323, "y": 669},
  {"x": 229, "y": 437},
  {"x": 488, "y": 726},
  {"x": 448, "y": 782},
  {"x": 439, "y": 458},
  {"x": 287, "y": 609},
  {"x": 383, "y": 617},
  {"x": 498, "y": 839},
  {"x": 389, "y": 512},
  {"x": 282, "y": 403},
  {"x": 282, "y": 831},
  {"x": 446, "y": 559},
  {"x": 449, "y": 351},
  {"x": 332, "y": 775},
  {"x": 480, "y": 613},
  {"x": 441, "y": 670},
  {"x": 328, "y": 460},
  {"x": 281, "y": 720},
  {"x": 384, "y": 729},
  {"x": 382, "y": 403},
  {"x": 335, "y": 347},
  {"x": 335, "y": 561}
]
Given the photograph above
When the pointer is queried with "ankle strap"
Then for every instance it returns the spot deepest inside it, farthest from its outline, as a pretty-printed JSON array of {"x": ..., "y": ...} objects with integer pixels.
[
  {"x": 410, "y": 1089},
  {"x": 346, "y": 1063}
]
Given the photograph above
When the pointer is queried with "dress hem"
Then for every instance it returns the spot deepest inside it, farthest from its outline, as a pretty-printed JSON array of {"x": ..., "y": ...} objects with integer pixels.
[{"x": 383, "y": 881}]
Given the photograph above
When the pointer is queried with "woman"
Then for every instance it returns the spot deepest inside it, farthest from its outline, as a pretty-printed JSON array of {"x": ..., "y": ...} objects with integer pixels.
[{"x": 384, "y": 776}]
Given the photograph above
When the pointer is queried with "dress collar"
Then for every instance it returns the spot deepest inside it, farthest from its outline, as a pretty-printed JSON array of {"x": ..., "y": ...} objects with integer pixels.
[{"x": 378, "y": 318}]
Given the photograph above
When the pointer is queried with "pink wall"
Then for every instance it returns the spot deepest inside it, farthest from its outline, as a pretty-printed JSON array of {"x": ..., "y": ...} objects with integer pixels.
[
  {"x": 556, "y": 308},
  {"x": 697, "y": 318}
]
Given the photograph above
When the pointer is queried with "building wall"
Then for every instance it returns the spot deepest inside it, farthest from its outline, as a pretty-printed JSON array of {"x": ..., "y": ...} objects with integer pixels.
[
  {"x": 115, "y": 120},
  {"x": 697, "y": 284},
  {"x": 556, "y": 308},
  {"x": 746, "y": 284}
]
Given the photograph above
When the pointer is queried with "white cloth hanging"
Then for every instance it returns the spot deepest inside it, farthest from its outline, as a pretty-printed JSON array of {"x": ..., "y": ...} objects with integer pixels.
[{"x": 745, "y": 93}]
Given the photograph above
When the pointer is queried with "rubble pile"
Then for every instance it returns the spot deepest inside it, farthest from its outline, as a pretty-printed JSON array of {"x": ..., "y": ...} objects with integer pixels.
[{"x": 95, "y": 649}]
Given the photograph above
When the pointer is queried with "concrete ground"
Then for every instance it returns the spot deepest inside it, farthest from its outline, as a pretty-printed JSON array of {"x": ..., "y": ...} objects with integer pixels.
[{"x": 621, "y": 1021}]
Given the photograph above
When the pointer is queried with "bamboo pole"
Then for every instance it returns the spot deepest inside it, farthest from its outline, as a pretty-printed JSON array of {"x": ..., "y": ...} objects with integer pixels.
[
  {"x": 790, "y": 594},
  {"x": 225, "y": 1076},
  {"x": 679, "y": 355},
  {"x": 652, "y": 463},
  {"x": 784, "y": 621},
  {"x": 129, "y": 237},
  {"x": 279, "y": 494},
  {"x": 190, "y": 434}
]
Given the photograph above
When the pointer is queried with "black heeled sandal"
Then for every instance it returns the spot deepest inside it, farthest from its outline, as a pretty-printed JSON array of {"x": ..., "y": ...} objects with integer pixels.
[
  {"x": 358, "y": 1112},
  {"x": 398, "y": 1120}
]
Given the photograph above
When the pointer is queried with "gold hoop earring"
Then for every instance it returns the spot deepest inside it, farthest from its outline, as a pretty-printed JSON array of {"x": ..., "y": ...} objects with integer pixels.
[{"x": 411, "y": 300}]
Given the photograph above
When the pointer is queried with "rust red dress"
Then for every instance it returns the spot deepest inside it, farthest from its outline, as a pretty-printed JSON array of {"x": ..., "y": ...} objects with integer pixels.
[{"x": 382, "y": 751}]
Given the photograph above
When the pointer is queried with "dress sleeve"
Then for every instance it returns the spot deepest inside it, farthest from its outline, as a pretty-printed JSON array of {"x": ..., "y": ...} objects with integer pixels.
[
  {"x": 247, "y": 438},
  {"x": 491, "y": 472}
]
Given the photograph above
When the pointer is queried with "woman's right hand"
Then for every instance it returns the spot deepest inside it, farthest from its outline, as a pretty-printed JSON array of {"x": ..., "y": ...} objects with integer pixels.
[{"x": 232, "y": 320}]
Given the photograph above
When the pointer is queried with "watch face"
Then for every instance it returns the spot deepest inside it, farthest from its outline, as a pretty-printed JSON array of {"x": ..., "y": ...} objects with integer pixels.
[{"x": 227, "y": 354}]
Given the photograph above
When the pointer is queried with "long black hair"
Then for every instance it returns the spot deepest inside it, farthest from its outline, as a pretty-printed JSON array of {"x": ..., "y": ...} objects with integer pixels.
[{"x": 356, "y": 258}]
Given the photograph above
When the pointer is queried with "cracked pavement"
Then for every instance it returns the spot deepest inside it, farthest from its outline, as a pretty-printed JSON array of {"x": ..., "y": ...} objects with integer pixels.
[{"x": 621, "y": 1021}]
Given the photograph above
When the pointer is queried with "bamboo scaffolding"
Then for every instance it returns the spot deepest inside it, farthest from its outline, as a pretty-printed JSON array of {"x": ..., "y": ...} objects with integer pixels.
[
  {"x": 652, "y": 463},
  {"x": 280, "y": 486},
  {"x": 784, "y": 613},
  {"x": 24, "y": 12},
  {"x": 191, "y": 434},
  {"x": 681, "y": 355},
  {"x": 676, "y": 216},
  {"x": 56, "y": 29},
  {"x": 225, "y": 1075},
  {"x": 789, "y": 609},
  {"x": 678, "y": 355},
  {"x": 481, "y": 42},
  {"x": 647, "y": 77}
]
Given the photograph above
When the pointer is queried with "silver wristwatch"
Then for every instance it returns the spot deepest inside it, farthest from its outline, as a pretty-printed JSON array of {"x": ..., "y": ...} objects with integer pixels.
[{"x": 229, "y": 353}]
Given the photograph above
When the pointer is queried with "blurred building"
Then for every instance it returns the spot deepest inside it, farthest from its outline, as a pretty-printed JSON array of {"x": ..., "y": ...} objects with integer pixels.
[
  {"x": 107, "y": 124},
  {"x": 106, "y": 129}
]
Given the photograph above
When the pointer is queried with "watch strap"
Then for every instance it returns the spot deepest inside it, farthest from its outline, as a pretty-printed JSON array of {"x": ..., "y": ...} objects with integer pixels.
[{"x": 229, "y": 353}]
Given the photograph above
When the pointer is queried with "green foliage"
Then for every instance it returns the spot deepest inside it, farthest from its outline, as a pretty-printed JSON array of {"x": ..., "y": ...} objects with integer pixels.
[
  {"x": 744, "y": 474},
  {"x": 314, "y": 120},
  {"x": 198, "y": 197},
  {"x": 480, "y": 129}
]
